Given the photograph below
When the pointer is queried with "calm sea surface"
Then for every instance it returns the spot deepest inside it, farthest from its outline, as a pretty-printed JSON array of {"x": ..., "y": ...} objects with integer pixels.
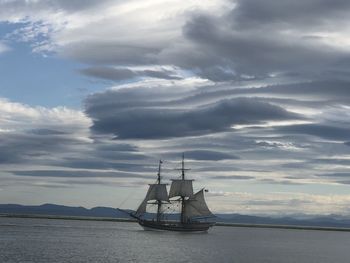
[{"x": 42, "y": 240}]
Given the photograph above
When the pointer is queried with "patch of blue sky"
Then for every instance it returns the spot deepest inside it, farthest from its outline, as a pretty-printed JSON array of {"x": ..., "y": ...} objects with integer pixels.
[
  {"x": 6, "y": 28},
  {"x": 34, "y": 79}
]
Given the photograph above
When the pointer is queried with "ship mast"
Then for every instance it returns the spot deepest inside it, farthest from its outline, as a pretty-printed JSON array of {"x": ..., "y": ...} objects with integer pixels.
[
  {"x": 183, "y": 219},
  {"x": 159, "y": 202},
  {"x": 182, "y": 188}
]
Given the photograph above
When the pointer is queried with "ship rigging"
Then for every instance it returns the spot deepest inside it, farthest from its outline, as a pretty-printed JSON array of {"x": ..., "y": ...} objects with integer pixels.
[{"x": 194, "y": 212}]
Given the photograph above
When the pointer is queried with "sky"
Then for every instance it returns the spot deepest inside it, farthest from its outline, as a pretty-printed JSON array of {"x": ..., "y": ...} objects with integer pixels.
[{"x": 256, "y": 94}]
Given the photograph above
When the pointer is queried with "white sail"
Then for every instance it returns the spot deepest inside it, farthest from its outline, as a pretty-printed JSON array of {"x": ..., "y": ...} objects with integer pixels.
[
  {"x": 155, "y": 192},
  {"x": 196, "y": 206},
  {"x": 181, "y": 188},
  {"x": 142, "y": 207}
]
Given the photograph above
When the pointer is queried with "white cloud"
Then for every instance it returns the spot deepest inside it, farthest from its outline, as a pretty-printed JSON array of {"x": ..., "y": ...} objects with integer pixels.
[
  {"x": 151, "y": 24},
  {"x": 144, "y": 33},
  {"x": 20, "y": 117}
]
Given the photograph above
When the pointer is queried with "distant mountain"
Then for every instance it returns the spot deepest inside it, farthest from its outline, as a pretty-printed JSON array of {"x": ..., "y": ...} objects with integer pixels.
[
  {"x": 61, "y": 210},
  {"x": 103, "y": 212}
]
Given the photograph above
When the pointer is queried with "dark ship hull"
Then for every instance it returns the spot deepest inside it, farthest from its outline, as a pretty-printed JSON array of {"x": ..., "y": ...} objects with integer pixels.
[{"x": 175, "y": 226}]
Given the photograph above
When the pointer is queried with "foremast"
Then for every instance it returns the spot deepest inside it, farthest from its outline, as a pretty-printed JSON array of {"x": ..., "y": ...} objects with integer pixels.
[{"x": 157, "y": 192}]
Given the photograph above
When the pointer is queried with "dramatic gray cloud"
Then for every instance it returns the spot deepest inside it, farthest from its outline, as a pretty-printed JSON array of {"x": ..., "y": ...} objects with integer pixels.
[
  {"x": 256, "y": 52},
  {"x": 209, "y": 155},
  {"x": 21, "y": 147},
  {"x": 96, "y": 162},
  {"x": 77, "y": 173},
  {"x": 288, "y": 13},
  {"x": 323, "y": 131},
  {"x": 220, "y": 40},
  {"x": 140, "y": 121}
]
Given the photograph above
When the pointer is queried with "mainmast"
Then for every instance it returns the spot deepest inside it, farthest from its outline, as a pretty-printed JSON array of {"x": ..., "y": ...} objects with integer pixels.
[
  {"x": 159, "y": 202},
  {"x": 182, "y": 188},
  {"x": 183, "y": 167},
  {"x": 183, "y": 219}
]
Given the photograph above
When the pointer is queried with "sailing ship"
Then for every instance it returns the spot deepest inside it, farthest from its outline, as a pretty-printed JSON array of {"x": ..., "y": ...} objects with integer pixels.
[{"x": 194, "y": 213}]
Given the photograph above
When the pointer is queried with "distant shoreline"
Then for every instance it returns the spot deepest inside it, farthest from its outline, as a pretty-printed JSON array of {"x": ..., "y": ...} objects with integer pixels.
[
  {"x": 85, "y": 218},
  {"x": 110, "y": 219}
]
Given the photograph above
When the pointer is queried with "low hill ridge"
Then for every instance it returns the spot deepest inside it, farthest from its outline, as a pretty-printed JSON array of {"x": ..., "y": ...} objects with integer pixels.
[{"x": 100, "y": 211}]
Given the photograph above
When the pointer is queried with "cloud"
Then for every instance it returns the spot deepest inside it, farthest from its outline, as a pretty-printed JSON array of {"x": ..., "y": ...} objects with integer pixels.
[
  {"x": 117, "y": 74},
  {"x": 73, "y": 5},
  {"x": 217, "y": 40},
  {"x": 109, "y": 73},
  {"x": 315, "y": 90},
  {"x": 339, "y": 175},
  {"x": 113, "y": 32},
  {"x": 320, "y": 130},
  {"x": 289, "y": 181},
  {"x": 310, "y": 95},
  {"x": 252, "y": 53},
  {"x": 209, "y": 155},
  {"x": 29, "y": 133},
  {"x": 17, "y": 116},
  {"x": 260, "y": 88},
  {"x": 32, "y": 148},
  {"x": 37, "y": 141},
  {"x": 136, "y": 119},
  {"x": 77, "y": 173},
  {"x": 288, "y": 13},
  {"x": 232, "y": 177},
  {"x": 120, "y": 162},
  {"x": 279, "y": 203},
  {"x": 19, "y": 11}
]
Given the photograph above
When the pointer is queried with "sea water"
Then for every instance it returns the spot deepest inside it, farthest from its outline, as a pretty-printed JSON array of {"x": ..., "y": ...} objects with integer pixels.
[{"x": 48, "y": 240}]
